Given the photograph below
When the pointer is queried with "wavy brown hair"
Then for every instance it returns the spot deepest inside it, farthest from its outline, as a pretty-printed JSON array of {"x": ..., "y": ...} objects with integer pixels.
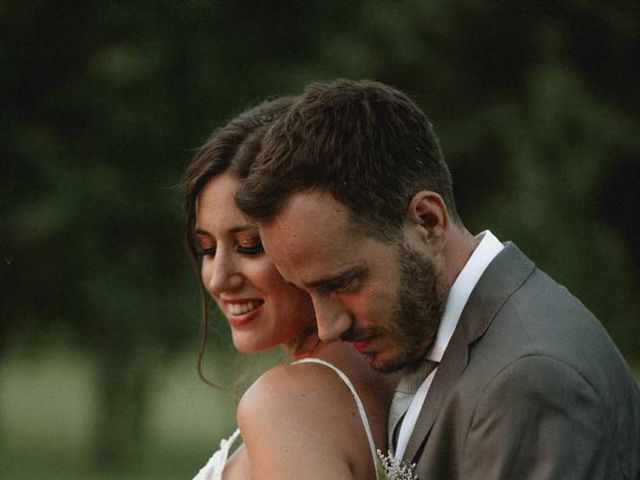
[{"x": 232, "y": 147}]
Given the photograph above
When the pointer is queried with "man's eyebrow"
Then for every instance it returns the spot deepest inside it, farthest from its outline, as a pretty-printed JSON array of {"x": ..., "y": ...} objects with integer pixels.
[{"x": 336, "y": 280}]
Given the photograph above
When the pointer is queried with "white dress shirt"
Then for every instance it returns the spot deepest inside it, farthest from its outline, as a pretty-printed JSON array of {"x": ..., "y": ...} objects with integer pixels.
[{"x": 464, "y": 284}]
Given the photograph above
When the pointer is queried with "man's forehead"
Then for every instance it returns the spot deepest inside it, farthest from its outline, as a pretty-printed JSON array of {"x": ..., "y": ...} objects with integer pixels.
[
  {"x": 312, "y": 230},
  {"x": 320, "y": 203},
  {"x": 309, "y": 214}
]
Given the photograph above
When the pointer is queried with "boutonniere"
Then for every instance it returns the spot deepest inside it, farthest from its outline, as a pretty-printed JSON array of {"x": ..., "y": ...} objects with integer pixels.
[{"x": 392, "y": 469}]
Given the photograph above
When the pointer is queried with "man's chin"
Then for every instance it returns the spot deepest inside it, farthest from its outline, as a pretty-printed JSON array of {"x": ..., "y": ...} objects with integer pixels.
[
  {"x": 386, "y": 365},
  {"x": 394, "y": 362}
]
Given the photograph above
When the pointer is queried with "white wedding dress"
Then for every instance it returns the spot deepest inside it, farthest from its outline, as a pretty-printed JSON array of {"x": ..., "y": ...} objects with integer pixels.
[{"x": 214, "y": 467}]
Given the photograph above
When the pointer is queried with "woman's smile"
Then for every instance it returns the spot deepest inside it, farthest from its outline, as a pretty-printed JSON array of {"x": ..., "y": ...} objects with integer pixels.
[{"x": 240, "y": 307}]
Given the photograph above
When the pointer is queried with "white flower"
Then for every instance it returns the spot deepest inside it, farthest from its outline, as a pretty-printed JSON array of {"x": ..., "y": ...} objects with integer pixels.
[{"x": 393, "y": 469}]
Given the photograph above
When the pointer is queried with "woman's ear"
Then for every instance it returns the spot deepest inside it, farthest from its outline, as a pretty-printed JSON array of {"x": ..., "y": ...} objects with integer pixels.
[{"x": 427, "y": 212}]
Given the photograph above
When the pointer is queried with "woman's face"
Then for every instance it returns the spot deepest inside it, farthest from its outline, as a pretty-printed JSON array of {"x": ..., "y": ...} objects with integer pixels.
[{"x": 262, "y": 309}]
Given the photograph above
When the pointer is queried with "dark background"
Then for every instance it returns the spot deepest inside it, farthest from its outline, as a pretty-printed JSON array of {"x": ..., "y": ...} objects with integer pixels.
[{"x": 103, "y": 103}]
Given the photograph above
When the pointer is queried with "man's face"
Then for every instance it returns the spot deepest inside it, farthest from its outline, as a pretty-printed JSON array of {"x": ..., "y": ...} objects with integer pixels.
[{"x": 385, "y": 299}]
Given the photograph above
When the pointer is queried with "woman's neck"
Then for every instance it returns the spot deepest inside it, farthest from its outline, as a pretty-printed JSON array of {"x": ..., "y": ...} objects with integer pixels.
[{"x": 307, "y": 345}]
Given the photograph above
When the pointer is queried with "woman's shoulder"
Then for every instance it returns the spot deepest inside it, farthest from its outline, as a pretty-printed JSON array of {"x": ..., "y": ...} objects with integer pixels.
[
  {"x": 309, "y": 419},
  {"x": 295, "y": 388}
]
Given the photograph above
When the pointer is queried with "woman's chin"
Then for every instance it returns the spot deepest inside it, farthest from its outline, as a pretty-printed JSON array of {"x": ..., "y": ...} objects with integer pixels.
[{"x": 252, "y": 346}]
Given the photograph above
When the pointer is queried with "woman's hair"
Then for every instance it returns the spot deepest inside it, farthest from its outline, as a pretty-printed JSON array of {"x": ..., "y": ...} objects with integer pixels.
[{"x": 233, "y": 148}]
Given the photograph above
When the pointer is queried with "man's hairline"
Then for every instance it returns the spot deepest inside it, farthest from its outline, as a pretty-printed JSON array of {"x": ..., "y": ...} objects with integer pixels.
[{"x": 356, "y": 226}]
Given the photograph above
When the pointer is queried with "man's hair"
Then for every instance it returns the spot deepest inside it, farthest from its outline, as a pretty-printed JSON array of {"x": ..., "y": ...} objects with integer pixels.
[{"x": 366, "y": 143}]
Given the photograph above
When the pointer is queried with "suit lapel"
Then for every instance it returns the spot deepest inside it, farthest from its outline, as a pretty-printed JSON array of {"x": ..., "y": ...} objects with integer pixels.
[{"x": 502, "y": 277}]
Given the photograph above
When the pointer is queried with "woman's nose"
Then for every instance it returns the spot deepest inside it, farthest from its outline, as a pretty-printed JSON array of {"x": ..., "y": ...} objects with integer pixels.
[{"x": 221, "y": 273}]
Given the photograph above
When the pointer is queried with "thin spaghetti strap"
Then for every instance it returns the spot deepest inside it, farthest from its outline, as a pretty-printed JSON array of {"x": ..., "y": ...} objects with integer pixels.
[{"x": 356, "y": 397}]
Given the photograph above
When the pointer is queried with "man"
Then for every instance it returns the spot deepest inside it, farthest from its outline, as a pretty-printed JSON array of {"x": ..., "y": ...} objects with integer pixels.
[{"x": 506, "y": 374}]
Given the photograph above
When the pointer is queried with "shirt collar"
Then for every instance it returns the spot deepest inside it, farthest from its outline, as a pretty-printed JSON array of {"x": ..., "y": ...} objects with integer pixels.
[{"x": 464, "y": 284}]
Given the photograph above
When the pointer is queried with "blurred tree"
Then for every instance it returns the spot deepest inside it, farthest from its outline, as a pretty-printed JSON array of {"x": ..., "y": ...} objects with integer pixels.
[{"x": 104, "y": 102}]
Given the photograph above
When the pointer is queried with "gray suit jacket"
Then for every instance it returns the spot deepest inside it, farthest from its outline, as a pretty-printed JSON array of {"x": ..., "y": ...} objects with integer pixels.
[{"x": 530, "y": 387}]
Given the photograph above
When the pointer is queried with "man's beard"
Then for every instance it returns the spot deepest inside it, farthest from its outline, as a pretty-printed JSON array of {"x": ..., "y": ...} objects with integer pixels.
[
  {"x": 415, "y": 316},
  {"x": 418, "y": 311}
]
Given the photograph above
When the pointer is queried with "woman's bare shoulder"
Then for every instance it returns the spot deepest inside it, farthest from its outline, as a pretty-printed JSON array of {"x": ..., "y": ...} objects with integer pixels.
[
  {"x": 299, "y": 416},
  {"x": 297, "y": 388}
]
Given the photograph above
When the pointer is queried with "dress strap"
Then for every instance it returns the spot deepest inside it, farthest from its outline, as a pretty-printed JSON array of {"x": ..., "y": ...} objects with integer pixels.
[
  {"x": 356, "y": 397},
  {"x": 214, "y": 467}
]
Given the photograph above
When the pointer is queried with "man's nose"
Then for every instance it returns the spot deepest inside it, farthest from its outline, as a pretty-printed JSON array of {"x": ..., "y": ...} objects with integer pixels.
[{"x": 332, "y": 319}]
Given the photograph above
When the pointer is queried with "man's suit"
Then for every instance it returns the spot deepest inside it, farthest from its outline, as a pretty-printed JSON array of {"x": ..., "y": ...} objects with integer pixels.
[{"x": 530, "y": 387}]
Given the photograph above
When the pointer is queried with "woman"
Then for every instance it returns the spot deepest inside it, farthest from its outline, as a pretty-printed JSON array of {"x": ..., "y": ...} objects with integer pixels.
[{"x": 322, "y": 415}]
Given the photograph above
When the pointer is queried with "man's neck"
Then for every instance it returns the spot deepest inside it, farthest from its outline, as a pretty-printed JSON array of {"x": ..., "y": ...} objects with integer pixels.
[{"x": 460, "y": 246}]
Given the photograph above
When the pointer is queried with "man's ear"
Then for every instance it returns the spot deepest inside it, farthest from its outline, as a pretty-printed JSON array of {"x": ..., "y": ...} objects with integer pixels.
[{"x": 428, "y": 213}]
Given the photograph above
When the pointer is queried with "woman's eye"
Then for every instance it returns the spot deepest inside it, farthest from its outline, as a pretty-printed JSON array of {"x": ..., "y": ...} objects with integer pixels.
[
  {"x": 253, "y": 247},
  {"x": 206, "y": 251}
]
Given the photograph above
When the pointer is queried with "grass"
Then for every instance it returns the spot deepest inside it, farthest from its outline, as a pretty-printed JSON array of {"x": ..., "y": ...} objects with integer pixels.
[{"x": 48, "y": 408}]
